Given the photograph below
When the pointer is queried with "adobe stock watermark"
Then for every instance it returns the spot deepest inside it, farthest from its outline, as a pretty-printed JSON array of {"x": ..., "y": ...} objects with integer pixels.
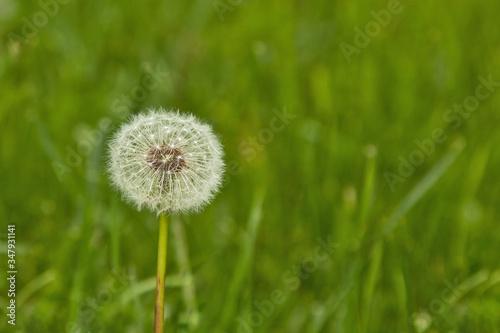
[
  {"x": 92, "y": 305},
  {"x": 89, "y": 138},
  {"x": 152, "y": 79},
  {"x": 422, "y": 319},
  {"x": 291, "y": 279},
  {"x": 454, "y": 117},
  {"x": 224, "y": 6},
  {"x": 372, "y": 29},
  {"x": 39, "y": 19},
  {"x": 253, "y": 145}
]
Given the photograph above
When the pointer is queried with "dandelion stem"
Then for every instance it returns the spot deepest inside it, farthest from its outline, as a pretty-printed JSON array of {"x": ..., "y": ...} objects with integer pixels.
[{"x": 160, "y": 273}]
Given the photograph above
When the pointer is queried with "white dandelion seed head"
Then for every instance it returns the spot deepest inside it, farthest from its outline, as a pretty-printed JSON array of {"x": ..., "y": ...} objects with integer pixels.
[{"x": 166, "y": 161}]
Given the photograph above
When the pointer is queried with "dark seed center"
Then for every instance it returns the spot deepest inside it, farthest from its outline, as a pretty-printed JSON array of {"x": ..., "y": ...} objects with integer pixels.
[{"x": 165, "y": 158}]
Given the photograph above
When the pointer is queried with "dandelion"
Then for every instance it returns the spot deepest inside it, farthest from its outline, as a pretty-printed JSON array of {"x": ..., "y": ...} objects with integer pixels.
[{"x": 167, "y": 162}]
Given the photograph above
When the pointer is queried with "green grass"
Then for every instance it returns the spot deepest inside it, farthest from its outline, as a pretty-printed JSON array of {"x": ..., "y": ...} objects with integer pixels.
[{"x": 86, "y": 260}]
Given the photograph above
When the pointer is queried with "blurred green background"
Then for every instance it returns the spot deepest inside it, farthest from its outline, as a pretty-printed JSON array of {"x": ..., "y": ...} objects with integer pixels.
[{"x": 417, "y": 255}]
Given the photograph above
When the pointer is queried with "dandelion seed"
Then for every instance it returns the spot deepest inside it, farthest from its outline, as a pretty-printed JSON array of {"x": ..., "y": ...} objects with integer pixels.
[{"x": 174, "y": 173}]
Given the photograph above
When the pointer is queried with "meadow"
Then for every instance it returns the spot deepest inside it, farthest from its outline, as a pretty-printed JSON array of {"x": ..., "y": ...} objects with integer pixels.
[{"x": 362, "y": 186}]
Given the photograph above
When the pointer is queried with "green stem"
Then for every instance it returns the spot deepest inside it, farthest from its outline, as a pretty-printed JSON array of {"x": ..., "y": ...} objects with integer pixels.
[{"x": 160, "y": 273}]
